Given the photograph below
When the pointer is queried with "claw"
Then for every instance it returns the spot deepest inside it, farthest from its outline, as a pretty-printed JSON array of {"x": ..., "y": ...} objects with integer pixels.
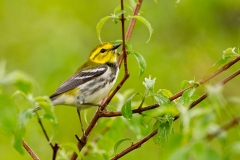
[{"x": 80, "y": 140}]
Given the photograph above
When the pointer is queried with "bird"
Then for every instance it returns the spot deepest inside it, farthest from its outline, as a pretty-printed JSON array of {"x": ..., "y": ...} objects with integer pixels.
[{"x": 92, "y": 81}]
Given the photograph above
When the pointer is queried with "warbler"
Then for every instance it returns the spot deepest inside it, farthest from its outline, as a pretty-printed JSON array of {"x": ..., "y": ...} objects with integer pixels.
[{"x": 91, "y": 82}]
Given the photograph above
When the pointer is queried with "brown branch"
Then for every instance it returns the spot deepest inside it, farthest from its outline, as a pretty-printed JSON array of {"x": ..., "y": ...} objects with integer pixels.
[
  {"x": 119, "y": 113},
  {"x": 43, "y": 129},
  {"x": 130, "y": 27},
  {"x": 135, "y": 145},
  {"x": 225, "y": 67},
  {"x": 225, "y": 127},
  {"x": 29, "y": 150},
  {"x": 153, "y": 133},
  {"x": 133, "y": 20}
]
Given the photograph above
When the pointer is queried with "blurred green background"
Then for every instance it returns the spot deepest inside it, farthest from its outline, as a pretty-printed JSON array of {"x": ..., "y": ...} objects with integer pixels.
[{"x": 49, "y": 40}]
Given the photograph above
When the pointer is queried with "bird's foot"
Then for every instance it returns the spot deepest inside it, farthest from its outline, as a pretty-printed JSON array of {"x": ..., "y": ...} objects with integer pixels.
[{"x": 83, "y": 139}]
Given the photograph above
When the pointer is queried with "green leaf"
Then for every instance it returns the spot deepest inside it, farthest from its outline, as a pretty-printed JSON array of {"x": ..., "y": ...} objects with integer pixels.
[
  {"x": 229, "y": 53},
  {"x": 144, "y": 21},
  {"x": 186, "y": 97},
  {"x": 99, "y": 26},
  {"x": 186, "y": 83},
  {"x": 216, "y": 66},
  {"x": 17, "y": 142},
  {"x": 23, "y": 100},
  {"x": 118, "y": 8},
  {"x": 141, "y": 62},
  {"x": 23, "y": 117},
  {"x": 20, "y": 80},
  {"x": 161, "y": 111},
  {"x": 119, "y": 142},
  {"x": 118, "y": 13},
  {"x": 48, "y": 109},
  {"x": 46, "y": 105},
  {"x": 8, "y": 115},
  {"x": 116, "y": 41},
  {"x": 129, "y": 47},
  {"x": 164, "y": 131},
  {"x": 162, "y": 100},
  {"x": 127, "y": 107},
  {"x": 165, "y": 92}
]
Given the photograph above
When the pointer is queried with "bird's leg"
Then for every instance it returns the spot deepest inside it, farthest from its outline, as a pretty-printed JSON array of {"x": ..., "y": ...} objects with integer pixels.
[
  {"x": 79, "y": 116},
  {"x": 85, "y": 137}
]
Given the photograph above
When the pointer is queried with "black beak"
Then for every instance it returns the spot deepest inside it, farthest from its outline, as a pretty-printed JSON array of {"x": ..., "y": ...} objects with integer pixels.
[{"x": 116, "y": 46}]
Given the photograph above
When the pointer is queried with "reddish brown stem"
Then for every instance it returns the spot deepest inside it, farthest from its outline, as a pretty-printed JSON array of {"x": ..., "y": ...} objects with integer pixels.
[
  {"x": 29, "y": 150},
  {"x": 133, "y": 20},
  {"x": 130, "y": 28},
  {"x": 134, "y": 145}
]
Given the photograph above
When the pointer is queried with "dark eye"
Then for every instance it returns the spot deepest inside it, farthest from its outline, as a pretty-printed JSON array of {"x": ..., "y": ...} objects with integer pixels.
[{"x": 102, "y": 50}]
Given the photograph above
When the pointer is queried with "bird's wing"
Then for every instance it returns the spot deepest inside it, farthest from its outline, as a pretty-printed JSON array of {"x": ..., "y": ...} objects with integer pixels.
[{"x": 80, "y": 78}]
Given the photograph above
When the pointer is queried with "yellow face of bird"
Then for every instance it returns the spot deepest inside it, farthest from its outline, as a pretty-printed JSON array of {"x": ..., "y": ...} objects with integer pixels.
[{"x": 103, "y": 53}]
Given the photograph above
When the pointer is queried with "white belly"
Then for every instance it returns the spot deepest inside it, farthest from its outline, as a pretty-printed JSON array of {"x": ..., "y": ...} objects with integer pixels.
[{"x": 91, "y": 92}]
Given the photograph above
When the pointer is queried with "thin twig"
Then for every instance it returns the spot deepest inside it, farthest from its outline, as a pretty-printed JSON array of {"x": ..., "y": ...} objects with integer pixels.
[
  {"x": 43, "y": 129},
  {"x": 29, "y": 150},
  {"x": 54, "y": 147},
  {"x": 153, "y": 133},
  {"x": 119, "y": 113},
  {"x": 133, "y": 20},
  {"x": 55, "y": 150},
  {"x": 135, "y": 145},
  {"x": 130, "y": 27}
]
